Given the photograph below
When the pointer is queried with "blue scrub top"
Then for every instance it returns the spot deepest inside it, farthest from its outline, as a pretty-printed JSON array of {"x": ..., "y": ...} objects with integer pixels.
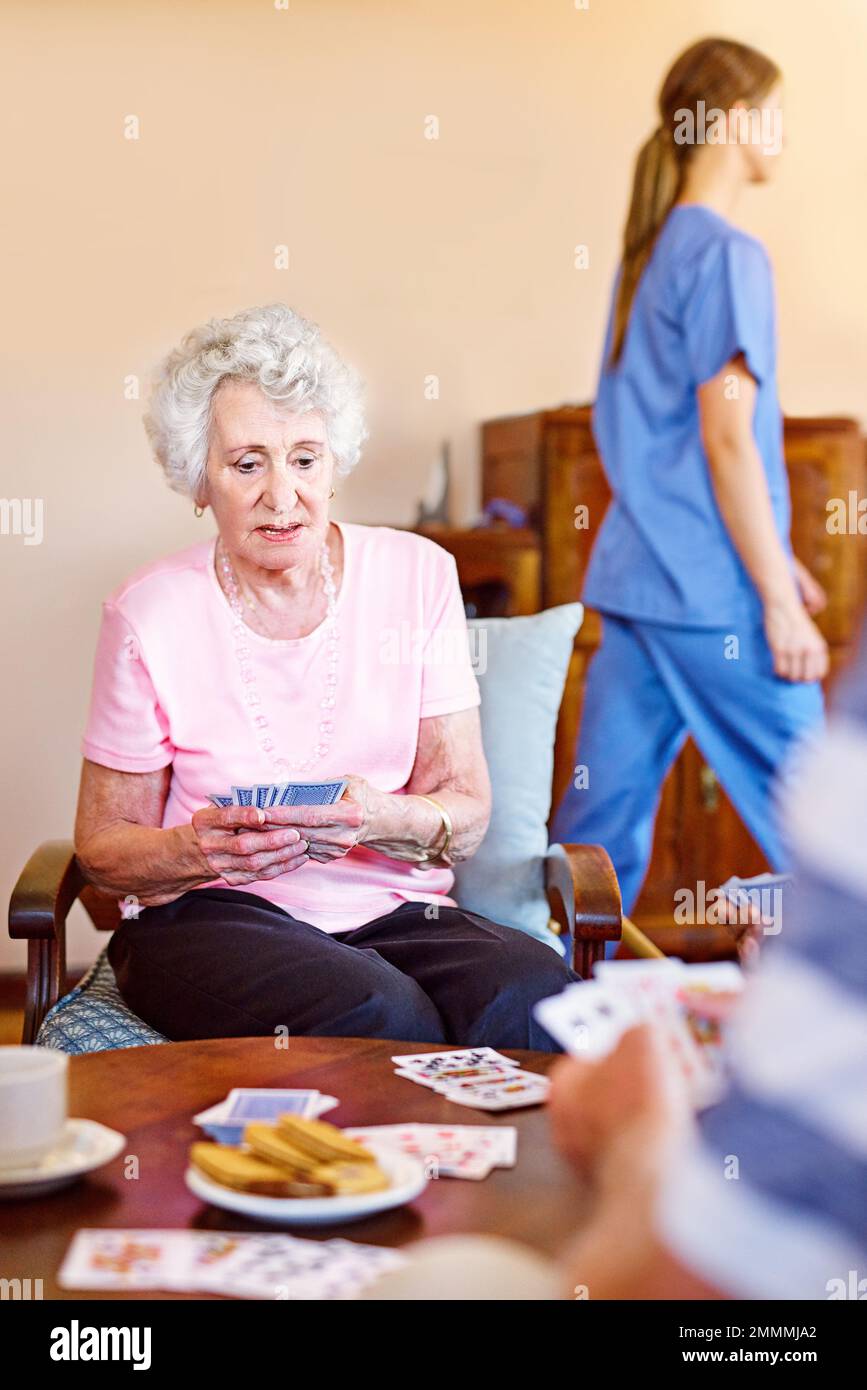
[{"x": 663, "y": 553}]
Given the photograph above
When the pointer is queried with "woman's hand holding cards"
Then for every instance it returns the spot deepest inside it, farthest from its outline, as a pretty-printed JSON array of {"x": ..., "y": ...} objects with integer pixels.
[
  {"x": 232, "y": 843},
  {"x": 247, "y": 842},
  {"x": 331, "y": 817},
  {"x": 328, "y": 832}
]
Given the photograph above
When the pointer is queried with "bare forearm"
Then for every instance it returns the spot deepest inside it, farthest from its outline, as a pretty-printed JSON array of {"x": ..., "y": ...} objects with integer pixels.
[
  {"x": 404, "y": 824},
  {"x": 609, "y": 1262},
  {"x": 742, "y": 495},
  {"x": 450, "y": 767},
  {"x": 153, "y": 865}
]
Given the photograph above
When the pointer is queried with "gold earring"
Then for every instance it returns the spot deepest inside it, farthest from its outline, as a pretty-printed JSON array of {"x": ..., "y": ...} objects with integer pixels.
[
  {"x": 332, "y": 493},
  {"x": 198, "y": 511}
]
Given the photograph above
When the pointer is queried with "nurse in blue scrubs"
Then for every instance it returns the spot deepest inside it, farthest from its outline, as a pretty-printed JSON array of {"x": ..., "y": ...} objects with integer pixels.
[{"x": 706, "y": 613}]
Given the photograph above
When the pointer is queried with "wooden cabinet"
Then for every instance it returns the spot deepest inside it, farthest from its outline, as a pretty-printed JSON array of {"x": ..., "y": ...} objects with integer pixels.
[
  {"x": 547, "y": 462},
  {"x": 500, "y": 567},
  {"x": 825, "y": 459}
]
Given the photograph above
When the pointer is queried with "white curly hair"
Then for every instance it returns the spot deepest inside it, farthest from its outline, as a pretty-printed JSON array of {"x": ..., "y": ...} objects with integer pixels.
[{"x": 273, "y": 346}]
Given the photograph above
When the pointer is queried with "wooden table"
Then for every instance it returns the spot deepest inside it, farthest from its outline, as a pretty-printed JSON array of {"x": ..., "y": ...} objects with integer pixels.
[{"x": 151, "y": 1093}]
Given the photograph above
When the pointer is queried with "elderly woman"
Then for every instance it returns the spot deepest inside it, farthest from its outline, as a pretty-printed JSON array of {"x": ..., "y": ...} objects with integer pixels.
[{"x": 267, "y": 654}]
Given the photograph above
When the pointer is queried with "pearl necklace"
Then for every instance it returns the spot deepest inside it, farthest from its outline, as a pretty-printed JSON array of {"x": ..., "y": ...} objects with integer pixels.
[{"x": 252, "y": 699}]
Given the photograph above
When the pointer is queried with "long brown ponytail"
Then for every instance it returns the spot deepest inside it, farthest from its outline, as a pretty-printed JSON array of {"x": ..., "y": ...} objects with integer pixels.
[{"x": 718, "y": 72}]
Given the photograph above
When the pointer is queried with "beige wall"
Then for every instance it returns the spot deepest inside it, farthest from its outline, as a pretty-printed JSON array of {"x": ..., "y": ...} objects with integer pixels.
[{"x": 453, "y": 257}]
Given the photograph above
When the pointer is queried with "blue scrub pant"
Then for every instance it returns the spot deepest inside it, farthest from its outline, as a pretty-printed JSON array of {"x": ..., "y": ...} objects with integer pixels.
[{"x": 648, "y": 686}]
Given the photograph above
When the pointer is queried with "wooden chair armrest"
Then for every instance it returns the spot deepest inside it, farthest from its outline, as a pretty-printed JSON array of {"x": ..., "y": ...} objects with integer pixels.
[
  {"x": 48, "y": 885},
  {"x": 584, "y": 897}
]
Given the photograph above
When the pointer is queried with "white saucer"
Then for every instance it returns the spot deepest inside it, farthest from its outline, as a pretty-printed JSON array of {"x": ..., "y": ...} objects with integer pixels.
[
  {"x": 83, "y": 1146},
  {"x": 406, "y": 1172}
]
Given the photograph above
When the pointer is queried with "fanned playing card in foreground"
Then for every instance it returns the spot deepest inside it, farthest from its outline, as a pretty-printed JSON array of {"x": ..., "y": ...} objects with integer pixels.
[
  {"x": 245, "y": 1264},
  {"x": 588, "y": 1018}
]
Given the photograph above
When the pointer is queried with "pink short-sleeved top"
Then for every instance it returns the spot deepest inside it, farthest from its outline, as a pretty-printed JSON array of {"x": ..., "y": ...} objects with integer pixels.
[{"x": 167, "y": 690}]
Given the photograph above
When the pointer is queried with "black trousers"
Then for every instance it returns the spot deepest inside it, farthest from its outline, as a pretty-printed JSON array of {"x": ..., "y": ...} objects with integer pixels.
[{"x": 218, "y": 962}]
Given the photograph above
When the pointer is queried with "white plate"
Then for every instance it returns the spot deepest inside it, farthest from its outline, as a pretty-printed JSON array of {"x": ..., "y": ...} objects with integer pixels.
[
  {"x": 83, "y": 1146},
  {"x": 407, "y": 1181}
]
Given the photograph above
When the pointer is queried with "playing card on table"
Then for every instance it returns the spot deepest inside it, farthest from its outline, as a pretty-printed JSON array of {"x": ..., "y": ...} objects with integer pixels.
[
  {"x": 443, "y": 1154},
  {"x": 358, "y": 1265},
  {"x": 451, "y": 1151},
  {"x": 245, "y": 1103},
  {"x": 499, "y": 1092},
  {"x": 505, "y": 1142},
  {"x": 201, "y": 1254},
  {"x": 429, "y": 1067},
  {"x": 118, "y": 1259},
  {"x": 246, "y": 1265},
  {"x": 227, "y": 1120},
  {"x": 509, "y": 1076},
  {"x": 519, "y": 1097},
  {"x": 479, "y": 1073},
  {"x": 271, "y": 1266},
  {"x": 285, "y": 1267}
]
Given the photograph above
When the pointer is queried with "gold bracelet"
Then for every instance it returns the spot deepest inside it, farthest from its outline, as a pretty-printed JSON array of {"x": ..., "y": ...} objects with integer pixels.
[{"x": 431, "y": 855}]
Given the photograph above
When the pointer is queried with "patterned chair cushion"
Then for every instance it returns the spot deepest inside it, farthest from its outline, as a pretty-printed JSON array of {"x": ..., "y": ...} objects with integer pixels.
[{"x": 93, "y": 1016}]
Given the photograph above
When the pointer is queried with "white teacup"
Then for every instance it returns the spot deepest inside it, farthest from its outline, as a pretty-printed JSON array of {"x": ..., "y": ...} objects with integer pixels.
[{"x": 33, "y": 1103}]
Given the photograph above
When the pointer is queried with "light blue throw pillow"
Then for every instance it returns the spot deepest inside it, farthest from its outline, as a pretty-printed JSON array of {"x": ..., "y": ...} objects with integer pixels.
[{"x": 521, "y": 665}]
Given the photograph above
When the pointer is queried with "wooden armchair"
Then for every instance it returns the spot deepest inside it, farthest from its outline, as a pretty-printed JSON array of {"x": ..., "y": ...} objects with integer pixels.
[
  {"x": 49, "y": 884},
  {"x": 580, "y": 883},
  {"x": 581, "y": 886}
]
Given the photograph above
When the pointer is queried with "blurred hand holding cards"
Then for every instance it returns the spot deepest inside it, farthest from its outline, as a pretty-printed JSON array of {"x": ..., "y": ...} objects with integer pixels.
[
  {"x": 758, "y": 901},
  {"x": 266, "y": 794},
  {"x": 589, "y": 1018},
  {"x": 476, "y": 1076}
]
